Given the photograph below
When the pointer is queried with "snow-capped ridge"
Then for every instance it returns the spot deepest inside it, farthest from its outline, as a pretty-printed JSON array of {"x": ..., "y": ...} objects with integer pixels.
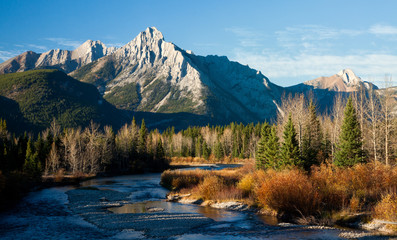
[{"x": 349, "y": 77}]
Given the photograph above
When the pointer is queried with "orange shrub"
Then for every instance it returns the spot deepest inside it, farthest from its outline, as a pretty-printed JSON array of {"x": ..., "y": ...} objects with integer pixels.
[
  {"x": 387, "y": 208},
  {"x": 210, "y": 186},
  {"x": 290, "y": 192}
]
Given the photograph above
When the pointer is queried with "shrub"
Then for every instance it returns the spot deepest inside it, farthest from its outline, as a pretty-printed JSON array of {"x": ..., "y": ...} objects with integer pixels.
[
  {"x": 210, "y": 187},
  {"x": 247, "y": 184},
  {"x": 387, "y": 208},
  {"x": 289, "y": 192}
]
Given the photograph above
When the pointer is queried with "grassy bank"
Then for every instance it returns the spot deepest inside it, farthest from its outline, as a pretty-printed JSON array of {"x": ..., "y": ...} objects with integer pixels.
[
  {"x": 326, "y": 195},
  {"x": 200, "y": 160}
]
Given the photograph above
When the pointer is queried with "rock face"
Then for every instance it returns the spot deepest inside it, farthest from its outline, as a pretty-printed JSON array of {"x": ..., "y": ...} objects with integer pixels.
[
  {"x": 151, "y": 74},
  {"x": 66, "y": 60},
  {"x": 344, "y": 81}
]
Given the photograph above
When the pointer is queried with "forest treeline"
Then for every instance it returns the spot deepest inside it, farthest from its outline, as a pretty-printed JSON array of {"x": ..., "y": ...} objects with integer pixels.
[
  {"x": 359, "y": 130},
  {"x": 299, "y": 136}
]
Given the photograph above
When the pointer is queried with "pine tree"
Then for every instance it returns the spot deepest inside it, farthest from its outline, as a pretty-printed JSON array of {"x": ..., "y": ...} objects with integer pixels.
[
  {"x": 206, "y": 152},
  {"x": 312, "y": 139},
  {"x": 349, "y": 150},
  {"x": 271, "y": 150},
  {"x": 32, "y": 165},
  {"x": 260, "y": 151},
  {"x": 159, "y": 150},
  {"x": 218, "y": 151},
  {"x": 290, "y": 147},
  {"x": 142, "y": 138}
]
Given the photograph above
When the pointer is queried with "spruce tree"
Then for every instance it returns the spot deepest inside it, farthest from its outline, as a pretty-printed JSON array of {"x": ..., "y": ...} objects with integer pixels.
[
  {"x": 290, "y": 147},
  {"x": 312, "y": 139},
  {"x": 218, "y": 151},
  {"x": 206, "y": 151},
  {"x": 349, "y": 151},
  {"x": 260, "y": 151},
  {"x": 271, "y": 154},
  {"x": 142, "y": 138},
  {"x": 32, "y": 165}
]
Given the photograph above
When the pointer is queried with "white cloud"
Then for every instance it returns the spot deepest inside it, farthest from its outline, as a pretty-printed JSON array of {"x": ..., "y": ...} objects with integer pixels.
[
  {"x": 380, "y": 29},
  {"x": 5, "y": 55},
  {"x": 247, "y": 37},
  {"x": 43, "y": 48},
  {"x": 306, "y": 67},
  {"x": 65, "y": 42}
]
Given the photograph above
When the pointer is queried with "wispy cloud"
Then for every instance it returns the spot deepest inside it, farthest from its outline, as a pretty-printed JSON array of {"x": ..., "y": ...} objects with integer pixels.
[
  {"x": 300, "y": 53},
  {"x": 380, "y": 29},
  {"x": 246, "y": 37},
  {"x": 43, "y": 48},
  {"x": 5, "y": 55},
  {"x": 65, "y": 42},
  {"x": 305, "y": 67}
]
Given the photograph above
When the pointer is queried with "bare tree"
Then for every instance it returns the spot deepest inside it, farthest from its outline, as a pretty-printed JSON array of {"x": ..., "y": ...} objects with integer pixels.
[
  {"x": 373, "y": 115},
  {"x": 53, "y": 160},
  {"x": 92, "y": 150},
  {"x": 386, "y": 104},
  {"x": 337, "y": 118}
]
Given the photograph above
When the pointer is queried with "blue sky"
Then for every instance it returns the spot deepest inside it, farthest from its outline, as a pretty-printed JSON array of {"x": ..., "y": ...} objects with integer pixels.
[{"x": 288, "y": 41}]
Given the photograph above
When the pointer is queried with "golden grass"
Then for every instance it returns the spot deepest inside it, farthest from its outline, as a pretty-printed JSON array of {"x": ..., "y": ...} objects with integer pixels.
[{"x": 317, "y": 195}]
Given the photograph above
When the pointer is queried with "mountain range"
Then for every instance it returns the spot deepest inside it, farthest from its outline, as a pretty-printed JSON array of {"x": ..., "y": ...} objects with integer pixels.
[{"x": 150, "y": 76}]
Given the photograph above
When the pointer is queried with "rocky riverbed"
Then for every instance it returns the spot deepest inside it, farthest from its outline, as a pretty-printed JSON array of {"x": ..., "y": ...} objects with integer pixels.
[{"x": 134, "y": 207}]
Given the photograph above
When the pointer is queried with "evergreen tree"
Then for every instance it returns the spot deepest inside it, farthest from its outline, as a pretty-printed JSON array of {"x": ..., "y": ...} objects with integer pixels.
[
  {"x": 260, "y": 152},
  {"x": 32, "y": 165},
  {"x": 206, "y": 151},
  {"x": 349, "y": 151},
  {"x": 272, "y": 150},
  {"x": 290, "y": 147},
  {"x": 142, "y": 138},
  {"x": 159, "y": 150},
  {"x": 312, "y": 139},
  {"x": 218, "y": 151}
]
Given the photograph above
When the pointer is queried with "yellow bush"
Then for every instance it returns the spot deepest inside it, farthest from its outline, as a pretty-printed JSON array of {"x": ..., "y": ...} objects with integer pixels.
[
  {"x": 386, "y": 209},
  {"x": 246, "y": 184}
]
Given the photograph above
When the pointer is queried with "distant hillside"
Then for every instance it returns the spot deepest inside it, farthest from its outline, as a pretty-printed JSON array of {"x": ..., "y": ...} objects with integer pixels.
[{"x": 31, "y": 100}]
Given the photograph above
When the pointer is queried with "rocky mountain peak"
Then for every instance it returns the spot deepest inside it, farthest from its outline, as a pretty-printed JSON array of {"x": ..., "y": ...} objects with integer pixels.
[
  {"x": 349, "y": 77},
  {"x": 151, "y": 34}
]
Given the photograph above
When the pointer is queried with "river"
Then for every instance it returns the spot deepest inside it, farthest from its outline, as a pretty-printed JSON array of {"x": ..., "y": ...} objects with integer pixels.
[{"x": 134, "y": 207}]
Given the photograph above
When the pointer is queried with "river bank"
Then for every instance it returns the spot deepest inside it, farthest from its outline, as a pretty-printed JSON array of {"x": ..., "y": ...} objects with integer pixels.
[
  {"x": 134, "y": 207},
  {"x": 291, "y": 195}
]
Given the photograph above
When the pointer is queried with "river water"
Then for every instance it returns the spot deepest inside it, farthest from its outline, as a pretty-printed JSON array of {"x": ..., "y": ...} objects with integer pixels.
[{"x": 134, "y": 207}]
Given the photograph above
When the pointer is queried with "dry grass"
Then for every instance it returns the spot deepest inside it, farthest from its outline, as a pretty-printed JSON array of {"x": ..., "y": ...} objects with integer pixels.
[{"x": 200, "y": 160}]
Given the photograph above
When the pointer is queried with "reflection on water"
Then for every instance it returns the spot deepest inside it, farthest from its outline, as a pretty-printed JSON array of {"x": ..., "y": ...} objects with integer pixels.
[
  {"x": 269, "y": 220},
  {"x": 172, "y": 207}
]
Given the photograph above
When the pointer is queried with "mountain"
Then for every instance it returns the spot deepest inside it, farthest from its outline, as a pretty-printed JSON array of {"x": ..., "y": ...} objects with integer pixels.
[
  {"x": 31, "y": 100},
  {"x": 152, "y": 78},
  {"x": 344, "y": 81},
  {"x": 324, "y": 89},
  {"x": 152, "y": 75},
  {"x": 65, "y": 60}
]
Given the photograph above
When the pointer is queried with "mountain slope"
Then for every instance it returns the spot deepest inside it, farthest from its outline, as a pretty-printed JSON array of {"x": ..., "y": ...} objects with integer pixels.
[
  {"x": 344, "y": 81},
  {"x": 64, "y": 60},
  {"x": 37, "y": 97},
  {"x": 152, "y": 75},
  {"x": 325, "y": 89}
]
